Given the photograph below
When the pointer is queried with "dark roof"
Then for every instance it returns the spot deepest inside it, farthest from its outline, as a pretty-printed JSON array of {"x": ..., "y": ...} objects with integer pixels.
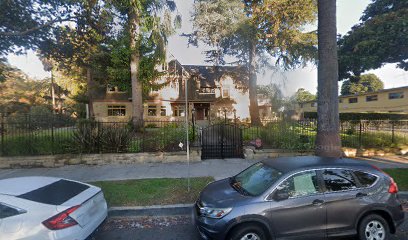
[
  {"x": 208, "y": 74},
  {"x": 287, "y": 164},
  {"x": 100, "y": 93}
]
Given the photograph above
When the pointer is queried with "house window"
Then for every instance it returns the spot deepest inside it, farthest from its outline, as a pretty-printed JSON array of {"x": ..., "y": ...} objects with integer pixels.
[
  {"x": 116, "y": 111},
  {"x": 340, "y": 100},
  {"x": 314, "y": 104},
  {"x": 372, "y": 98},
  {"x": 353, "y": 100},
  {"x": 163, "y": 111},
  {"x": 226, "y": 92},
  {"x": 151, "y": 110},
  {"x": 207, "y": 90},
  {"x": 396, "y": 95},
  {"x": 114, "y": 89},
  {"x": 179, "y": 111}
]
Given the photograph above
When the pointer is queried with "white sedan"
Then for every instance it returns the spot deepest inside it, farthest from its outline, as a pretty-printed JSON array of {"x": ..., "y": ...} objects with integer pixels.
[{"x": 41, "y": 208}]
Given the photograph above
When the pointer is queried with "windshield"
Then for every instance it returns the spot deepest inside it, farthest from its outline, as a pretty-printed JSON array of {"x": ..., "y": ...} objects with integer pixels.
[{"x": 256, "y": 179}]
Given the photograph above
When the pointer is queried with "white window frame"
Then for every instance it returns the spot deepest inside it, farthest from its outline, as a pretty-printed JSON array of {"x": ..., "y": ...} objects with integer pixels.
[
  {"x": 113, "y": 108},
  {"x": 228, "y": 89},
  {"x": 152, "y": 108}
]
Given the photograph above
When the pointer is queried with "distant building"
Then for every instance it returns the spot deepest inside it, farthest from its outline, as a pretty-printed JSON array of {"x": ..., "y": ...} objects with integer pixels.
[
  {"x": 393, "y": 100},
  {"x": 213, "y": 92}
]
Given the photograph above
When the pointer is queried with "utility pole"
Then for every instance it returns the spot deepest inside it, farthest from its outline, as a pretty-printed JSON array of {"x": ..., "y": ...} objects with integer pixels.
[{"x": 187, "y": 133}]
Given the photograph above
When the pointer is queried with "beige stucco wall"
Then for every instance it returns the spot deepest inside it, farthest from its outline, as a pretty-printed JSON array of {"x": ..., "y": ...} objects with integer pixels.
[
  {"x": 383, "y": 104},
  {"x": 101, "y": 111},
  {"x": 238, "y": 99}
]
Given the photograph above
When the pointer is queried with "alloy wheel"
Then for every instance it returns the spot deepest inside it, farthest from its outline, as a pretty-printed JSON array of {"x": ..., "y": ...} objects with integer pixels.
[
  {"x": 375, "y": 231},
  {"x": 251, "y": 236}
]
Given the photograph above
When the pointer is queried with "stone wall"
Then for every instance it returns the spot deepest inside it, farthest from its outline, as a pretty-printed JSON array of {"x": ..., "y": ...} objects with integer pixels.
[
  {"x": 159, "y": 157},
  {"x": 97, "y": 159}
]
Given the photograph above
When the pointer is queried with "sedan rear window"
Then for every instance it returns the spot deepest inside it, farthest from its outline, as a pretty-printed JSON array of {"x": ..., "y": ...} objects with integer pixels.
[
  {"x": 56, "y": 193},
  {"x": 8, "y": 211},
  {"x": 365, "y": 179},
  {"x": 256, "y": 179}
]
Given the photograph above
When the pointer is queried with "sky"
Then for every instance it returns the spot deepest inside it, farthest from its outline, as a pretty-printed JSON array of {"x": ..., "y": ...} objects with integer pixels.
[{"x": 348, "y": 14}]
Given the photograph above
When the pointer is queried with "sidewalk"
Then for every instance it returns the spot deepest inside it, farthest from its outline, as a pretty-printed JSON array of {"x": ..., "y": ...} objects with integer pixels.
[{"x": 216, "y": 168}]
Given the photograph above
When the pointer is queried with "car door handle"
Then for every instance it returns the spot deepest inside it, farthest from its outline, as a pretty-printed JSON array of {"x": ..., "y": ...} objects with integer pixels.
[
  {"x": 360, "y": 195},
  {"x": 318, "y": 202}
]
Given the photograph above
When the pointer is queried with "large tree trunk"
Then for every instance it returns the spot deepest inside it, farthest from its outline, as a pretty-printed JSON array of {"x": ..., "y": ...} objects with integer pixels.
[
  {"x": 53, "y": 91},
  {"x": 253, "y": 102},
  {"x": 91, "y": 89},
  {"x": 137, "y": 99},
  {"x": 328, "y": 139}
]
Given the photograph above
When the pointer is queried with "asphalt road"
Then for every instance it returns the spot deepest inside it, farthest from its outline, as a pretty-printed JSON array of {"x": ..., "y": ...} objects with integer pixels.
[{"x": 175, "y": 228}]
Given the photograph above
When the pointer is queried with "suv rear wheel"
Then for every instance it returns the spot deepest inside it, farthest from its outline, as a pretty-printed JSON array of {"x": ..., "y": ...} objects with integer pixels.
[
  {"x": 374, "y": 227},
  {"x": 248, "y": 232}
]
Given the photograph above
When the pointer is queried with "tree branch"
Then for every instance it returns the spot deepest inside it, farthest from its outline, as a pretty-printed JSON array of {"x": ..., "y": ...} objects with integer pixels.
[{"x": 31, "y": 30}]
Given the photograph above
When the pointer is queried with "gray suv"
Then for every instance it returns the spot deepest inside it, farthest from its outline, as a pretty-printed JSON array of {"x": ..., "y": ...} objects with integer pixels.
[{"x": 300, "y": 198}]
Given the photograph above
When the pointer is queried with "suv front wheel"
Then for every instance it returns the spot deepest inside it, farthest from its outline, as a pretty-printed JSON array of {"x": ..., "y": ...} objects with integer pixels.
[
  {"x": 248, "y": 232},
  {"x": 374, "y": 227}
]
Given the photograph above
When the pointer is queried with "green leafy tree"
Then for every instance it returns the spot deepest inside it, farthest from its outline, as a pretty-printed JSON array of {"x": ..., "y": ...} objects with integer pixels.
[
  {"x": 25, "y": 24},
  {"x": 379, "y": 39},
  {"x": 274, "y": 92},
  {"x": 247, "y": 30},
  {"x": 149, "y": 21},
  {"x": 81, "y": 47},
  {"x": 303, "y": 95},
  {"x": 328, "y": 142},
  {"x": 362, "y": 84},
  {"x": 18, "y": 93}
]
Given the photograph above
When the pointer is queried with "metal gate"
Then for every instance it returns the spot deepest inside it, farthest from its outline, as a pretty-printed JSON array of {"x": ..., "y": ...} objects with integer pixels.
[{"x": 221, "y": 141}]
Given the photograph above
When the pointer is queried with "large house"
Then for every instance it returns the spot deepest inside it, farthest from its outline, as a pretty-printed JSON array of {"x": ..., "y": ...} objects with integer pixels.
[
  {"x": 393, "y": 100},
  {"x": 212, "y": 93}
]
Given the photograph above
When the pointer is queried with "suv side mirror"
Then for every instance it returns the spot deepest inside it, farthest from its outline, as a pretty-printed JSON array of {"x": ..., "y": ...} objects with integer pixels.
[{"x": 280, "y": 195}]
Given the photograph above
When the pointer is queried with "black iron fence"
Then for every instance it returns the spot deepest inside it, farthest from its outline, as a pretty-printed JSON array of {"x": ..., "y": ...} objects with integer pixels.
[
  {"x": 37, "y": 135},
  {"x": 55, "y": 134},
  {"x": 301, "y": 135}
]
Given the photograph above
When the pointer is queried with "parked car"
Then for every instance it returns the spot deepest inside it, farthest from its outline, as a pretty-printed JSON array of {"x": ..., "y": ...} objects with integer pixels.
[
  {"x": 300, "y": 198},
  {"x": 34, "y": 208}
]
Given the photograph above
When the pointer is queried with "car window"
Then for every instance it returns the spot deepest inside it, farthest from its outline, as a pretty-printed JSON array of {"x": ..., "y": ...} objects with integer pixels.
[
  {"x": 55, "y": 193},
  {"x": 256, "y": 179},
  {"x": 339, "y": 180},
  {"x": 365, "y": 179},
  {"x": 8, "y": 211},
  {"x": 301, "y": 184}
]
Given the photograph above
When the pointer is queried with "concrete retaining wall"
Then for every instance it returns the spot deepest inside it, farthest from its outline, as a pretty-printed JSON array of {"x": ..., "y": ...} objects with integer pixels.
[
  {"x": 96, "y": 159},
  {"x": 160, "y": 157}
]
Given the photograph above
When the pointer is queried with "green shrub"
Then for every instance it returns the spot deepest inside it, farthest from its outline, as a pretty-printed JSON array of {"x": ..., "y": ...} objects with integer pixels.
[
  {"x": 87, "y": 137},
  {"x": 115, "y": 138}
]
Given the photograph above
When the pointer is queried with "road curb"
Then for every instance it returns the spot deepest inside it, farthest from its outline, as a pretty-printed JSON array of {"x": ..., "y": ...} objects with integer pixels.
[
  {"x": 403, "y": 195},
  {"x": 151, "y": 211},
  {"x": 173, "y": 210}
]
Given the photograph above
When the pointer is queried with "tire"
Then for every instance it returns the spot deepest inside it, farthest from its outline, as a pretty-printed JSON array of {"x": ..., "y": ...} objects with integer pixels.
[
  {"x": 373, "y": 227},
  {"x": 248, "y": 232}
]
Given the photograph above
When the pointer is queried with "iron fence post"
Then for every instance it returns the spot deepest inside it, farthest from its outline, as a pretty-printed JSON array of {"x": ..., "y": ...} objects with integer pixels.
[
  {"x": 2, "y": 129},
  {"x": 52, "y": 134},
  {"x": 360, "y": 143},
  {"x": 393, "y": 131}
]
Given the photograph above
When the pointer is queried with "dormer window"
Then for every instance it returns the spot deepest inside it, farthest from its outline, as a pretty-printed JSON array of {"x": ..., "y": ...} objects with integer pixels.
[
  {"x": 113, "y": 89},
  {"x": 225, "y": 91},
  {"x": 207, "y": 90}
]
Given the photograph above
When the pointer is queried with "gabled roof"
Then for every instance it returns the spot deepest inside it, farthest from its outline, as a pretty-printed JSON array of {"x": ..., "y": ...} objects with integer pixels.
[{"x": 209, "y": 74}]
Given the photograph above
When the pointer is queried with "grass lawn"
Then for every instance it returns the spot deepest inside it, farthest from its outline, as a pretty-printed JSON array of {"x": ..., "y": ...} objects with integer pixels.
[
  {"x": 147, "y": 192},
  {"x": 400, "y": 175}
]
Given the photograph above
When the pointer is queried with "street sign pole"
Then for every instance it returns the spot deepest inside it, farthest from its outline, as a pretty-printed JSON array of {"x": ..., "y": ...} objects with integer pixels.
[{"x": 187, "y": 133}]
